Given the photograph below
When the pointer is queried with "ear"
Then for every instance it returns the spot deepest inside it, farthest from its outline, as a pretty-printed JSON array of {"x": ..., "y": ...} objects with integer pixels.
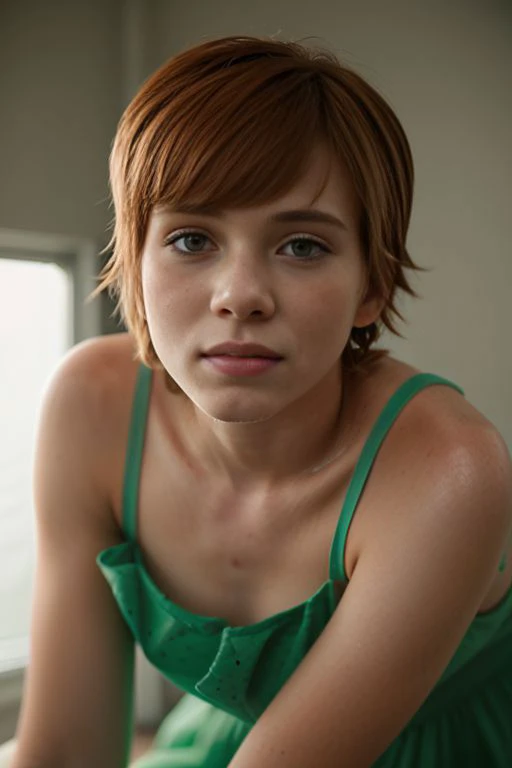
[{"x": 369, "y": 311}]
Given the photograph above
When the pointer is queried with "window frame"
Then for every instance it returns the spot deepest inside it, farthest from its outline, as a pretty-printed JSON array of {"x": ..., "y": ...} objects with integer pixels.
[{"x": 77, "y": 256}]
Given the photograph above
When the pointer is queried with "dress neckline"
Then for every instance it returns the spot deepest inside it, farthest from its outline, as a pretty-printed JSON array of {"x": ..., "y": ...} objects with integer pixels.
[{"x": 337, "y": 572}]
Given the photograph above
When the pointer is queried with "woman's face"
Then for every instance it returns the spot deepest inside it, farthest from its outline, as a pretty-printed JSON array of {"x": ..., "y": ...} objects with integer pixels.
[{"x": 239, "y": 276}]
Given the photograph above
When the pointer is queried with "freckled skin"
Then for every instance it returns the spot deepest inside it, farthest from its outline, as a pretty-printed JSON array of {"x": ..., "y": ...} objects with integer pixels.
[{"x": 246, "y": 278}]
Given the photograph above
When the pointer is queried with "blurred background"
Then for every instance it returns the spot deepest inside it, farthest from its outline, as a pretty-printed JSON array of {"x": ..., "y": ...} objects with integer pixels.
[{"x": 67, "y": 70}]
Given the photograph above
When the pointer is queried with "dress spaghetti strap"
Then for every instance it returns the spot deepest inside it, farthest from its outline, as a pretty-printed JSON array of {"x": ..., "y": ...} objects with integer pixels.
[
  {"x": 134, "y": 451},
  {"x": 387, "y": 417}
]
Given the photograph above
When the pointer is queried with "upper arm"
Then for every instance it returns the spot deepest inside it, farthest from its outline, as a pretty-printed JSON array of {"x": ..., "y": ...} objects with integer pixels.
[
  {"x": 414, "y": 591},
  {"x": 77, "y": 698}
]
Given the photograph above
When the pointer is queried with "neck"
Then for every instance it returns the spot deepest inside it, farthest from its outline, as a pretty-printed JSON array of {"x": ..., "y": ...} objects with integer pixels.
[{"x": 301, "y": 440}]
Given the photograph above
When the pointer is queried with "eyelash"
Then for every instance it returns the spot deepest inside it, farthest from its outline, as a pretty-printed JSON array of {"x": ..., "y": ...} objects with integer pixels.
[{"x": 298, "y": 238}]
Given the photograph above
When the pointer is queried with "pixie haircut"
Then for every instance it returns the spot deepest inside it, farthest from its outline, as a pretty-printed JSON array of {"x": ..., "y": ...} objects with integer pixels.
[{"x": 230, "y": 123}]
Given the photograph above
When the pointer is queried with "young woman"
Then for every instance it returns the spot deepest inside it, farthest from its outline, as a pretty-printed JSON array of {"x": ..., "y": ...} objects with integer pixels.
[{"x": 305, "y": 534}]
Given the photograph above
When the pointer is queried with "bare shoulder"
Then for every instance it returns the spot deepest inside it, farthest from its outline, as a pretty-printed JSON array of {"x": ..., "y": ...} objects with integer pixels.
[
  {"x": 92, "y": 387},
  {"x": 103, "y": 358},
  {"x": 448, "y": 419},
  {"x": 440, "y": 445},
  {"x": 98, "y": 372},
  {"x": 443, "y": 471},
  {"x": 438, "y": 412}
]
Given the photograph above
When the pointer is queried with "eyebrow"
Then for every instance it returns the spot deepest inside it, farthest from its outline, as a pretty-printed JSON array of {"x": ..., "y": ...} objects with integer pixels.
[{"x": 302, "y": 214}]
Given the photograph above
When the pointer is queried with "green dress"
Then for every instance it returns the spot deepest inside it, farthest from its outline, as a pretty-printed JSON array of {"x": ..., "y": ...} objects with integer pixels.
[{"x": 231, "y": 674}]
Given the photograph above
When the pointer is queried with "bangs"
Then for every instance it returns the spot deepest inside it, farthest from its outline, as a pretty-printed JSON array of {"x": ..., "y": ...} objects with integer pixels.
[{"x": 232, "y": 140}]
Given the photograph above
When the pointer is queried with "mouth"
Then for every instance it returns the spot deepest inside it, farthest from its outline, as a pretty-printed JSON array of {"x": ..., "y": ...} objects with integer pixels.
[
  {"x": 235, "y": 365},
  {"x": 245, "y": 350},
  {"x": 244, "y": 357}
]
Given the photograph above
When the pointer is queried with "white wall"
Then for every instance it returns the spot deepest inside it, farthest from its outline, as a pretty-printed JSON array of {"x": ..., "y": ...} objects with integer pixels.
[{"x": 445, "y": 68}]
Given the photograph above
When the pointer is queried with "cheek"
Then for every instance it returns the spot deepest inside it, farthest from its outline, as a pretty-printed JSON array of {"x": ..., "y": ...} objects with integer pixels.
[
  {"x": 162, "y": 295},
  {"x": 325, "y": 321},
  {"x": 330, "y": 306},
  {"x": 149, "y": 283}
]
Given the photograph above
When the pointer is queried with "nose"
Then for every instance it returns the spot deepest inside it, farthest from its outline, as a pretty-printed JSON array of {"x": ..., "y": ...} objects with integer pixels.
[{"x": 243, "y": 289}]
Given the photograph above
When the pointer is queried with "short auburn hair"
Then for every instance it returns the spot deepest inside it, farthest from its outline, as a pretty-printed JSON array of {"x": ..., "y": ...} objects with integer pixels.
[{"x": 230, "y": 123}]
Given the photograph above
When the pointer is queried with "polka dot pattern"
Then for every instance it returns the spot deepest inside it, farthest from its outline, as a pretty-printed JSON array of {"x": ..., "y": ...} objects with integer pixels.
[{"x": 239, "y": 669}]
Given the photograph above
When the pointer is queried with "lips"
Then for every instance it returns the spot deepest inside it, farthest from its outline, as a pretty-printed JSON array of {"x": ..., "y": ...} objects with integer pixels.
[{"x": 242, "y": 349}]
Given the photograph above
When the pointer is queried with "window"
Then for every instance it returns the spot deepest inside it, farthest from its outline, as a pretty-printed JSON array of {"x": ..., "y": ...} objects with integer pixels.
[
  {"x": 44, "y": 281},
  {"x": 35, "y": 331}
]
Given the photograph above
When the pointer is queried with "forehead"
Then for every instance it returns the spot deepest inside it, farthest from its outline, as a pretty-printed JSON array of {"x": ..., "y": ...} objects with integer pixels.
[{"x": 324, "y": 185}]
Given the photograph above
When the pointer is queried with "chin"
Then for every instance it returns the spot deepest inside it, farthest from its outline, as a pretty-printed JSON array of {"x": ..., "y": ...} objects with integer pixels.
[{"x": 237, "y": 410}]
